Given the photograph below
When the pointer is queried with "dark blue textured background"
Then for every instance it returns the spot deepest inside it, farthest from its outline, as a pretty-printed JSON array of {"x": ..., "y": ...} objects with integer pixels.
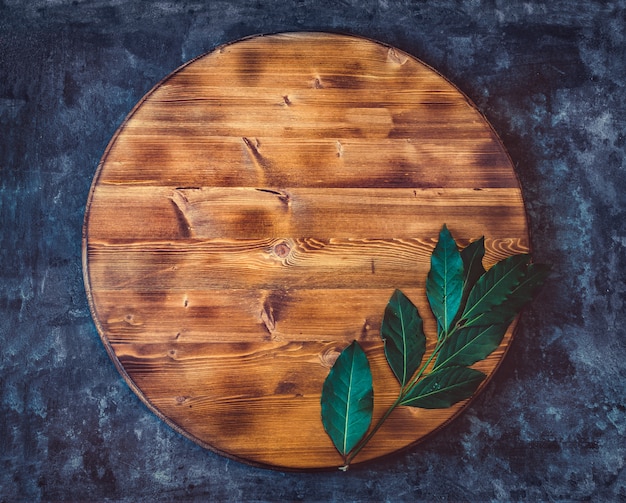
[{"x": 550, "y": 77}]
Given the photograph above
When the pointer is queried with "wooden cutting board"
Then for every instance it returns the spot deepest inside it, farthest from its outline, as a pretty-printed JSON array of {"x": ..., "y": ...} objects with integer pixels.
[{"x": 253, "y": 215}]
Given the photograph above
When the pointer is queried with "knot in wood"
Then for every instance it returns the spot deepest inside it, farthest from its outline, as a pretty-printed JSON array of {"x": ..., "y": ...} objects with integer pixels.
[
  {"x": 329, "y": 356},
  {"x": 282, "y": 249}
]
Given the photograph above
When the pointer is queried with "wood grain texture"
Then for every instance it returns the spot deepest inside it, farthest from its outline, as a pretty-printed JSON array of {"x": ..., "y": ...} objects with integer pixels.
[{"x": 254, "y": 213}]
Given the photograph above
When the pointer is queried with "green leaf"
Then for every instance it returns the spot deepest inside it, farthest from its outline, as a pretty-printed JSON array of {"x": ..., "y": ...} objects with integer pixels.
[
  {"x": 444, "y": 388},
  {"x": 493, "y": 288},
  {"x": 348, "y": 399},
  {"x": 403, "y": 334},
  {"x": 533, "y": 279},
  {"x": 469, "y": 345},
  {"x": 472, "y": 256},
  {"x": 444, "y": 285}
]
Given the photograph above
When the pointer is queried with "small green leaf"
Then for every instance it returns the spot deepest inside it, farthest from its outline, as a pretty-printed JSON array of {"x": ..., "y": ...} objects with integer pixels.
[
  {"x": 444, "y": 284},
  {"x": 444, "y": 388},
  {"x": 403, "y": 334},
  {"x": 468, "y": 345},
  {"x": 348, "y": 399},
  {"x": 493, "y": 288},
  {"x": 472, "y": 256}
]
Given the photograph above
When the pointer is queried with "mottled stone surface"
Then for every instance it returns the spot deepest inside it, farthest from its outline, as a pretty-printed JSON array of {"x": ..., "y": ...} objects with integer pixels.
[{"x": 550, "y": 76}]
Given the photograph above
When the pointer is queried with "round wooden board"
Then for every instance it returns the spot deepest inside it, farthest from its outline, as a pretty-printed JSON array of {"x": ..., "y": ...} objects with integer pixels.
[{"x": 252, "y": 217}]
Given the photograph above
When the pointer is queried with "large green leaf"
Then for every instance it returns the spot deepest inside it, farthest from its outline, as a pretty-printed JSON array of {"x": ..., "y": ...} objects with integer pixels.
[
  {"x": 521, "y": 295},
  {"x": 493, "y": 288},
  {"x": 468, "y": 345},
  {"x": 443, "y": 388},
  {"x": 444, "y": 284},
  {"x": 403, "y": 334},
  {"x": 348, "y": 399}
]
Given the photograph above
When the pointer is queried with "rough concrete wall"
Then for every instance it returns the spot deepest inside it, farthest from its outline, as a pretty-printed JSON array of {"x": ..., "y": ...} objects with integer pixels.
[{"x": 548, "y": 75}]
